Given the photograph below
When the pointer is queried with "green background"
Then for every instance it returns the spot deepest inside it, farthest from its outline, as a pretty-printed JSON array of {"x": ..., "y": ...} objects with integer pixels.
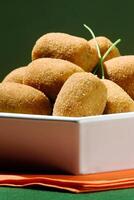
[
  {"x": 38, "y": 194},
  {"x": 22, "y": 22}
]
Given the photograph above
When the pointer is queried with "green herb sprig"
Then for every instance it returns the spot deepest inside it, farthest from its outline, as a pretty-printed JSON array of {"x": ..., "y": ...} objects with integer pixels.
[{"x": 101, "y": 58}]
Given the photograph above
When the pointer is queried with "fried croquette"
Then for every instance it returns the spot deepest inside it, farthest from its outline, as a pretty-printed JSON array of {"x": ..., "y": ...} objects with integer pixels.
[
  {"x": 104, "y": 44},
  {"x": 83, "y": 94},
  {"x": 118, "y": 100},
  {"x": 19, "y": 98},
  {"x": 49, "y": 74},
  {"x": 121, "y": 71},
  {"x": 66, "y": 47},
  {"x": 15, "y": 76}
]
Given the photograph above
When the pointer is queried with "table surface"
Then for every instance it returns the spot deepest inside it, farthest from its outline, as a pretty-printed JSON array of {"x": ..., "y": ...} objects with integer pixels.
[{"x": 8, "y": 193}]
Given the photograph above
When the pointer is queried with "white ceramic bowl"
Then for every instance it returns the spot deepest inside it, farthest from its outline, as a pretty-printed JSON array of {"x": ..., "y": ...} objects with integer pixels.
[{"x": 80, "y": 145}]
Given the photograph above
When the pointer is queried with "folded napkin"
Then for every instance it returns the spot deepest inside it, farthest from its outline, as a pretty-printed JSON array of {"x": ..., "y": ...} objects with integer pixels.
[{"x": 73, "y": 183}]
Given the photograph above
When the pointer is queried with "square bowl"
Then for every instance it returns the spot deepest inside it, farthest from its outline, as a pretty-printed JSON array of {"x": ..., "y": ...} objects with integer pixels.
[{"x": 76, "y": 145}]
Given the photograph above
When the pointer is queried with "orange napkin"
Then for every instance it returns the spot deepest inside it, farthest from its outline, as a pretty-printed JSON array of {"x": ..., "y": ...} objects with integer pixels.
[{"x": 73, "y": 183}]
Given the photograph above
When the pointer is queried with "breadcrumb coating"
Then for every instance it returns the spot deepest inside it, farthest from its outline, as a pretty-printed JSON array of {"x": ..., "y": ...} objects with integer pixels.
[
  {"x": 121, "y": 71},
  {"x": 104, "y": 44},
  {"x": 15, "y": 76},
  {"x": 83, "y": 94},
  {"x": 49, "y": 74},
  {"x": 18, "y": 98},
  {"x": 118, "y": 100},
  {"x": 66, "y": 47}
]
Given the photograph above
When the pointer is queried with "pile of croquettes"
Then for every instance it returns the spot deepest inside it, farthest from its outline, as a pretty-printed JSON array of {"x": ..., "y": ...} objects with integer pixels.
[{"x": 64, "y": 79}]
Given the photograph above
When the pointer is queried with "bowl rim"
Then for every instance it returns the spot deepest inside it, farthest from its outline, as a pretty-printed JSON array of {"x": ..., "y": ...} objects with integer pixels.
[{"x": 95, "y": 118}]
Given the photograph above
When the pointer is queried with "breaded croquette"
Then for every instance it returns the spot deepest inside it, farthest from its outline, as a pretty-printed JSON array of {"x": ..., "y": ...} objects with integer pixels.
[
  {"x": 118, "y": 100},
  {"x": 15, "y": 76},
  {"x": 66, "y": 47},
  {"x": 121, "y": 71},
  {"x": 83, "y": 94},
  {"x": 104, "y": 44},
  {"x": 19, "y": 98},
  {"x": 49, "y": 74}
]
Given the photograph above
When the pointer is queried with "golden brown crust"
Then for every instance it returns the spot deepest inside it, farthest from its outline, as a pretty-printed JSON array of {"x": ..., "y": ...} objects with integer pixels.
[
  {"x": 121, "y": 71},
  {"x": 66, "y": 47},
  {"x": 83, "y": 94},
  {"x": 49, "y": 74},
  {"x": 18, "y": 98},
  {"x": 15, "y": 76},
  {"x": 118, "y": 100},
  {"x": 104, "y": 44}
]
